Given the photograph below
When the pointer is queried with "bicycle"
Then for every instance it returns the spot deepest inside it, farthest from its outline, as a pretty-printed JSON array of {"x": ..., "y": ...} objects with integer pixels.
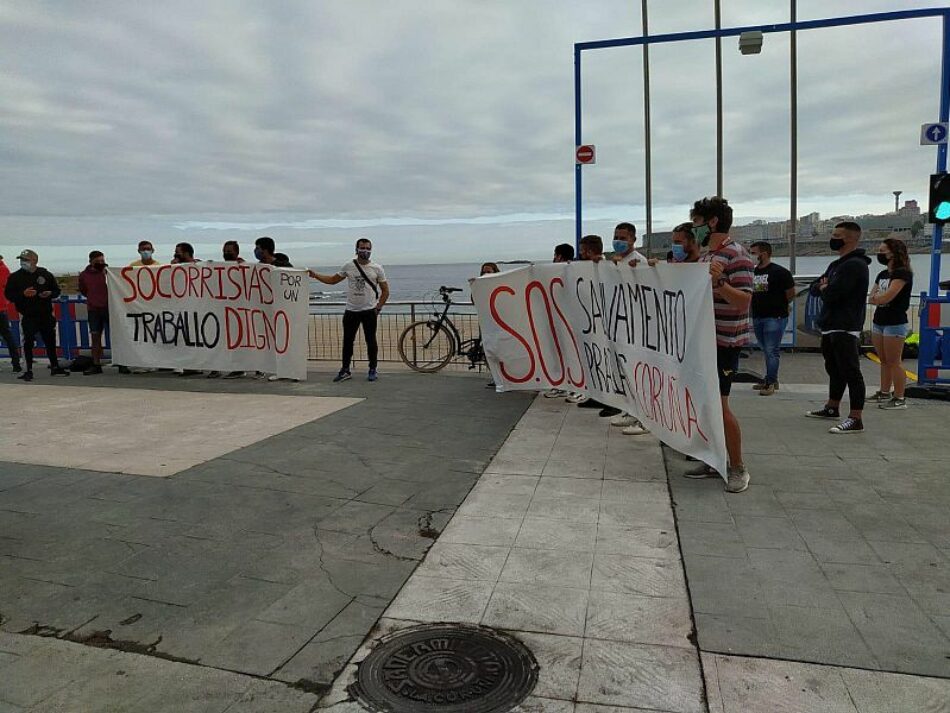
[{"x": 428, "y": 345}]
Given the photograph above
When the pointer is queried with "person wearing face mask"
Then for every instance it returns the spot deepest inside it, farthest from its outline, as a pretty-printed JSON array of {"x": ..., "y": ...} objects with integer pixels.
[
  {"x": 843, "y": 289},
  {"x": 891, "y": 296},
  {"x": 5, "y": 334},
  {"x": 625, "y": 238},
  {"x": 32, "y": 289},
  {"x": 684, "y": 247},
  {"x": 730, "y": 273},
  {"x": 92, "y": 286},
  {"x": 146, "y": 256},
  {"x": 773, "y": 287},
  {"x": 366, "y": 294}
]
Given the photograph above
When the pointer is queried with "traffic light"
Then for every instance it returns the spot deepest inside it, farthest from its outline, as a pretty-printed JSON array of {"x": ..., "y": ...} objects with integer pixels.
[{"x": 939, "y": 199}]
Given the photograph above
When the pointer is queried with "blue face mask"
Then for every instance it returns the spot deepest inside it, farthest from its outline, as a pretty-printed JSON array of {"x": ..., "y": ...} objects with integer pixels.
[
  {"x": 621, "y": 246},
  {"x": 679, "y": 252},
  {"x": 363, "y": 254},
  {"x": 258, "y": 255}
]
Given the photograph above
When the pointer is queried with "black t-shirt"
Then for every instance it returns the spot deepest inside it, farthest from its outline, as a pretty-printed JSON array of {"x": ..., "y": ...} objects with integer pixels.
[
  {"x": 769, "y": 285},
  {"x": 896, "y": 311}
]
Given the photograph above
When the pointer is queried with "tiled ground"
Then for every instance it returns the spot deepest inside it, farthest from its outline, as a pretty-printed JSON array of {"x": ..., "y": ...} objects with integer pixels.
[
  {"x": 838, "y": 553},
  {"x": 568, "y": 543}
]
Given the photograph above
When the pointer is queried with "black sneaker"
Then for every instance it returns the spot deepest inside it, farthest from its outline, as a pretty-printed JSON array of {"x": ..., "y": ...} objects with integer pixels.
[
  {"x": 344, "y": 375},
  {"x": 26, "y": 376},
  {"x": 824, "y": 412},
  {"x": 124, "y": 370},
  {"x": 59, "y": 371},
  {"x": 16, "y": 367},
  {"x": 849, "y": 425},
  {"x": 94, "y": 369},
  {"x": 609, "y": 412},
  {"x": 590, "y": 404}
]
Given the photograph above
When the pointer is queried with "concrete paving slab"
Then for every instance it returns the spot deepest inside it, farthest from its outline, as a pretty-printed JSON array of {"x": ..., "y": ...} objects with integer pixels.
[
  {"x": 273, "y": 559},
  {"x": 106, "y": 425},
  {"x": 822, "y": 544}
]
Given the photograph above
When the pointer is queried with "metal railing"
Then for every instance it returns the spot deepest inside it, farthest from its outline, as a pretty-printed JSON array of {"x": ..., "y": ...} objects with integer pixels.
[
  {"x": 325, "y": 328},
  {"x": 325, "y": 331}
]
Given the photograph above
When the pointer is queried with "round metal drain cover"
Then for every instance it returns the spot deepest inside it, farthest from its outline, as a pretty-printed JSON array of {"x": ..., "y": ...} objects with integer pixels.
[{"x": 446, "y": 668}]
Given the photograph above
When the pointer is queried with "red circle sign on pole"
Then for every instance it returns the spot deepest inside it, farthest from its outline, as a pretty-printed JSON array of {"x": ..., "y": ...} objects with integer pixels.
[{"x": 586, "y": 154}]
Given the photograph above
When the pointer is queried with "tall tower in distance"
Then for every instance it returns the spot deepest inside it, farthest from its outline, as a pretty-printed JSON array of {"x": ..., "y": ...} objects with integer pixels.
[{"x": 897, "y": 196}]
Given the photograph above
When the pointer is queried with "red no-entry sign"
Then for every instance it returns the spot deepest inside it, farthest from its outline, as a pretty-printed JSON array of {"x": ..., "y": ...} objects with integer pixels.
[{"x": 586, "y": 154}]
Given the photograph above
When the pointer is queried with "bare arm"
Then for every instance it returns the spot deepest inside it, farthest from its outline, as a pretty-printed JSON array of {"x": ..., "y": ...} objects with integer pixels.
[
  {"x": 790, "y": 294},
  {"x": 733, "y": 295},
  {"x": 383, "y": 295},
  {"x": 893, "y": 290},
  {"x": 326, "y": 279}
]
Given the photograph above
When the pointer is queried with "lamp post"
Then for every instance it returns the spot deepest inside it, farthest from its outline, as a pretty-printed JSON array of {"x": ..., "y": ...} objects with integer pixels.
[{"x": 648, "y": 164}]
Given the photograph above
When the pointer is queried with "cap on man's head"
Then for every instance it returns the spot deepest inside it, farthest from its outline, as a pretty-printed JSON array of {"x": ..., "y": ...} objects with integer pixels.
[{"x": 28, "y": 255}]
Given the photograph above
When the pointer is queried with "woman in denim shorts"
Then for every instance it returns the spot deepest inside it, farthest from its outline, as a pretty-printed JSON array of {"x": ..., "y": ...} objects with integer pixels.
[{"x": 891, "y": 294}]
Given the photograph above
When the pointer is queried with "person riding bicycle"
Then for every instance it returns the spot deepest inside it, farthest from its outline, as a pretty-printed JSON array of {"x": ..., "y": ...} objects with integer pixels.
[{"x": 367, "y": 292}]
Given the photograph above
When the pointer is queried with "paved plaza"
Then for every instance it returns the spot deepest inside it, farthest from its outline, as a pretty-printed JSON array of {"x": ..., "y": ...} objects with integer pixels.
[{"x": 259, "y": 579}]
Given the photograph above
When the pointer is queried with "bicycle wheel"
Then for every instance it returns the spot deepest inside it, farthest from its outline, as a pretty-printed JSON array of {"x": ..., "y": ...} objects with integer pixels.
[{"x": 426, "y": 346}]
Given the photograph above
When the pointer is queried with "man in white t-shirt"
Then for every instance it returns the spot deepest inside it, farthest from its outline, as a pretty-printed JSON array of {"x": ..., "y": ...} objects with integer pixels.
[{"x": 367, "y": 292}]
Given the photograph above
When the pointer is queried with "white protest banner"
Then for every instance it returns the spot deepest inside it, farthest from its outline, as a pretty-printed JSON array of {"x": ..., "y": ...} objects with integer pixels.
[
  {"x": 640, "y": 339},
  {"x": 222, "y": 316}
]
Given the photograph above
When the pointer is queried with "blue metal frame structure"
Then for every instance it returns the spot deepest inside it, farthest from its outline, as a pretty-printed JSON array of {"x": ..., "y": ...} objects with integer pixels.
[{"x": 931, "y": 335}]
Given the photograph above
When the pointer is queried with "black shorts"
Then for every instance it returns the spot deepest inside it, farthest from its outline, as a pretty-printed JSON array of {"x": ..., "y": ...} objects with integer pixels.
[
  {"x": 98, "y": 319},
  {"x": 727, "y": 364}
]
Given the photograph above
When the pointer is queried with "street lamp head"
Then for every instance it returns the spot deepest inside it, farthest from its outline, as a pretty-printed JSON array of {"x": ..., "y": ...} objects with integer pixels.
[{"x": 750, "y": 42}]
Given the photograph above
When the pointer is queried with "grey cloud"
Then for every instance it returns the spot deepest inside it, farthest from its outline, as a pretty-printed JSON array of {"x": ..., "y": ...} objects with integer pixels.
[{"x": 436, "y": 110}]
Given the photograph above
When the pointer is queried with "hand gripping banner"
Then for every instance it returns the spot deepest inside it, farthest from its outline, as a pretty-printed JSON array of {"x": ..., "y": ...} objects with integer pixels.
[
  {"x": 640, "y": 339},
  {"x": 221, "y": 316}
]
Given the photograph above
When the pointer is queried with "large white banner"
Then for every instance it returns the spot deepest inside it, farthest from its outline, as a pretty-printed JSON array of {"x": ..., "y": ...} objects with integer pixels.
[
  {"x": 640, "y": 339},
  {"x": 222, "y": 316}
]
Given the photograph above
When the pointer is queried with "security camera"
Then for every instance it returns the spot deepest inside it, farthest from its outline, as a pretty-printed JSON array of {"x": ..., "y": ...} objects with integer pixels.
[{"x": 750, "y": 42}]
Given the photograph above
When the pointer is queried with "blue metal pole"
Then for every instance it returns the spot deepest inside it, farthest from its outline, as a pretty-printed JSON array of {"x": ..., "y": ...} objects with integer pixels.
[
  {"x": 941, "y": 155},
  {"x": 780, "y": 27},
  {"x": 577, "y": 142}
]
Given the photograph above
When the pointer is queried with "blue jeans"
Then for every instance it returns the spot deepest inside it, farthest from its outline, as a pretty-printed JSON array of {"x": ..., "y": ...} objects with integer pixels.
[{"x": 769, "y": 332}]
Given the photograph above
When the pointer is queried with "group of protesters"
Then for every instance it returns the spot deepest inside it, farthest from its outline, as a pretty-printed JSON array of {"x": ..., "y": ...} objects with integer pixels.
[
  {"x": 751, "y": 295},
  {"x": 32, "y": 289}
]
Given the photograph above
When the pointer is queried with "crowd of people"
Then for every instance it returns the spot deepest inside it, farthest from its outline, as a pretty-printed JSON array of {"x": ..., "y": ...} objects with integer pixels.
[
  {"x": 751, "y": 297},
  {"x": 32, "y": 289}
]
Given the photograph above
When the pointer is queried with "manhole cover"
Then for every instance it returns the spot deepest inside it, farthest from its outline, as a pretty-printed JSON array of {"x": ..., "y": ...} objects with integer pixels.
[{"x": 446, "y": 668}]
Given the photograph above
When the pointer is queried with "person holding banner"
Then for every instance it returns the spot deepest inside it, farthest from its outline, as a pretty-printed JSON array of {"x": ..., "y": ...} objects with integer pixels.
[
  {"x": 684, "y": 248},
  {"x": 32, "y": 289},
  {"x": 92, "y": 286},
  {"x": 730, "y": 272},
  {"x": 625, "y": 238},
  {"x": 362, "y": 305}
]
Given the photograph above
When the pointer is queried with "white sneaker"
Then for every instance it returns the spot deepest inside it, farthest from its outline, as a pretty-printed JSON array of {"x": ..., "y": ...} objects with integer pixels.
[
  {"x": 635, "y": 429},
  {"x": 622, "y": 420},
  {"x": 737, "y": 479},
  {"x": 577, "y": 399},
  {"x": 555, "y": 394}
]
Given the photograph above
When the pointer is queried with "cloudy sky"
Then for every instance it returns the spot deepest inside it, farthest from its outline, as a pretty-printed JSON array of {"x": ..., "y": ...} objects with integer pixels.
[{"x": 444, "y": 130}]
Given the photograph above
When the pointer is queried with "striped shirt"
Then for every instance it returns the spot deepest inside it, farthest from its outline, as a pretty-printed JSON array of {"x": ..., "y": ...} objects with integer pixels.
[{"x": 732, "y": 323}]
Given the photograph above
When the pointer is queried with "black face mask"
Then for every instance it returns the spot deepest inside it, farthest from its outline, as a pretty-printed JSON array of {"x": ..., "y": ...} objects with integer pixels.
[
  {"x": 836, "y": 244},
  {"x": 230, "y": 257},
  {"x": 882, "y": 258}
]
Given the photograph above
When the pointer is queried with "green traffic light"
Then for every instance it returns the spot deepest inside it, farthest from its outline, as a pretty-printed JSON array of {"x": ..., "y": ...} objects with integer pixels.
[{"x": 943, "y": 210}]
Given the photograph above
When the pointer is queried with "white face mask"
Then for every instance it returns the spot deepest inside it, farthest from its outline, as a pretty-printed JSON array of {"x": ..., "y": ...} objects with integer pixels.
[{"x": 26, "y": 265}]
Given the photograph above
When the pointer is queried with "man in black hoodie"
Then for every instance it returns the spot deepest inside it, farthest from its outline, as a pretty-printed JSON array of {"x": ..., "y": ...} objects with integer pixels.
[
  {"x": 844, "y": 293},
  {"x": 32, "y": 289}
]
